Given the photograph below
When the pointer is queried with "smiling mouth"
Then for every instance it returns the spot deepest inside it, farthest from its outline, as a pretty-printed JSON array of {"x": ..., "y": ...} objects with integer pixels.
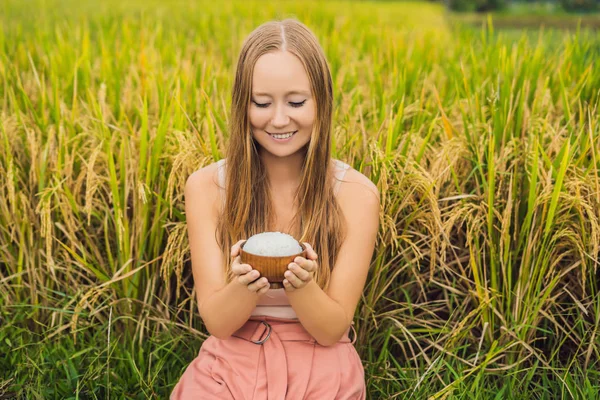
[{"x": 282, "y": 135}]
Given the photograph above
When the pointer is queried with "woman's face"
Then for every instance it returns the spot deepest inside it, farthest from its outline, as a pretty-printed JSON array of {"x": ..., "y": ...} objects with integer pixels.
[{"x": 281, "y": 104}]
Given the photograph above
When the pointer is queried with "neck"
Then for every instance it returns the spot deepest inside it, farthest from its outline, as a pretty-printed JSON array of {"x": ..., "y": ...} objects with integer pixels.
[{"x": 283, "y": 173}]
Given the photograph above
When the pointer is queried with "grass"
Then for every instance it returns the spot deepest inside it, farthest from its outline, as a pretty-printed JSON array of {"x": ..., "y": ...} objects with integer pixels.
[
  {"x": 484, "y": 144},
  {"x": 526, "y": 17}
]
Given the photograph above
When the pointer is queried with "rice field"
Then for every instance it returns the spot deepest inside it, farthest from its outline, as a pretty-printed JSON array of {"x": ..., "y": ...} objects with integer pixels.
[{"x": 485, "y": 147}]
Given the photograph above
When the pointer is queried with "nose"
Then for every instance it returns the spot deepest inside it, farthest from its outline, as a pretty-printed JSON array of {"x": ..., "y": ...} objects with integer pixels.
[{"x": 280, "y": 119}]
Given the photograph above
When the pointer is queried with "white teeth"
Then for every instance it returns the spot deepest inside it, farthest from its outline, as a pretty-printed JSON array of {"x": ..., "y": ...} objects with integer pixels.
[{"x": 283, "y": 136}]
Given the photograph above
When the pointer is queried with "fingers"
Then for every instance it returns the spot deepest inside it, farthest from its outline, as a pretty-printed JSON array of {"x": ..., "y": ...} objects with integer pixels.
[
  {"x": 252, "y": 281},
  {"x": 238, "y": 268},
  {"x": 310, "y": 252},
  {"x": 297, "y": 277},
  {"x": 301, "y": 271},
  {"x": 307, "y": 265},
  {"x": 260, "y": 286},
  {"x": 265, "y": 288},
  {"x": 294, "y": 270},
  {"x": 235, "y": 249},
  {"x": 294, "y": 280},
  {"x": 249, "y": 277},
  {"x": 288, "y": 286},
  {"x": 246, "y": 275}
]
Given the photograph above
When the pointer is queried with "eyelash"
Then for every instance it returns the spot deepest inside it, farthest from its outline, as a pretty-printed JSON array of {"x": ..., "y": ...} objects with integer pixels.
[{"x": 293, "y": 104}]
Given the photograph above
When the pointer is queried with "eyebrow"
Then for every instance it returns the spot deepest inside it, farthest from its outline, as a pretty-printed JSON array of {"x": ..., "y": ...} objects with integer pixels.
[{"x": 288, "y": 93}]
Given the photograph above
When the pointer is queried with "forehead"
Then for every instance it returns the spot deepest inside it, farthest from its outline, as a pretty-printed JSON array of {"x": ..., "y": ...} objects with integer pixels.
[{"x": 279, "y": 73}]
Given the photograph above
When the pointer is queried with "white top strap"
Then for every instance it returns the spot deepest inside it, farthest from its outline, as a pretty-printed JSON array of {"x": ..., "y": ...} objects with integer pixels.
[
  {"x": 221, "y": 178},
  {"x": 339, "y": 174}
]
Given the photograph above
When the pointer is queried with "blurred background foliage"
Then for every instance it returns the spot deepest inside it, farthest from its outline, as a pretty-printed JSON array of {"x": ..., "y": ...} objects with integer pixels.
[
  {"x": 525, "y": 6},
  {"x": 483, "y": 138}
]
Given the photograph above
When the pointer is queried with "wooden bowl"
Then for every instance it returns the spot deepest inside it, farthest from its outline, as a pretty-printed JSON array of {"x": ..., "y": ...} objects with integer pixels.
[{"x": 272, "y": 268}]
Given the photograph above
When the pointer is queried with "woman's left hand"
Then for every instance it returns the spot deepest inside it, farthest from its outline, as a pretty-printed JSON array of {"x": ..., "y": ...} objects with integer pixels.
[{"x": 301, "y": 271}]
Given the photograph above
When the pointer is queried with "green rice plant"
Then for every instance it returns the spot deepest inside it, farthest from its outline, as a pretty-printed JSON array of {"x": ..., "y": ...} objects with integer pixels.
[{"x": 483, "y": 142}]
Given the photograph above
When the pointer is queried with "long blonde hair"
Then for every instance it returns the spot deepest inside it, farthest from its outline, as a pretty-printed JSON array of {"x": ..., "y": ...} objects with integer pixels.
[{"x": 248, "y": 202}]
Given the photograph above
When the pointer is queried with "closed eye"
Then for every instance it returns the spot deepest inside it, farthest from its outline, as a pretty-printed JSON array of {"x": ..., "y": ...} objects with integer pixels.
[
  {"x": 261, "y": 105},
  {"x": 293, "y": 104},
  {"x": 300, "y": 104}
]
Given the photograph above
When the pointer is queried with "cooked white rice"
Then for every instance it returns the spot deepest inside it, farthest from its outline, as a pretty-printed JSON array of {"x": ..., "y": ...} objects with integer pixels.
[{"x": 273, "y": 244}]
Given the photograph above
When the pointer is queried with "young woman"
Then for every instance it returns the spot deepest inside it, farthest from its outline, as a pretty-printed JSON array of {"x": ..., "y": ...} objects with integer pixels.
[{"x": 292, "y": 342}]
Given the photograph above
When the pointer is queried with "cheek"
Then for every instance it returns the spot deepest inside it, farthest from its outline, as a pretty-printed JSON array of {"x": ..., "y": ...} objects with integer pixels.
[
  {"x": 258, "y": 118},
  {"x": 307, "y": 118}
]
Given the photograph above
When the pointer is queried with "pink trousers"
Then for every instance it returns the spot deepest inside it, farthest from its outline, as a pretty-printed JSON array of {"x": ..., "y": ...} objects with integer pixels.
[{"x": 273, "y": 359}]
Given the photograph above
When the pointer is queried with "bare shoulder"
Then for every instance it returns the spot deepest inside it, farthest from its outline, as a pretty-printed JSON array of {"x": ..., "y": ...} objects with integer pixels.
[
  {"x": 204, "y": 180},
  {"x": 202, "y": 190},
  {"x": 357, "y": 187}
]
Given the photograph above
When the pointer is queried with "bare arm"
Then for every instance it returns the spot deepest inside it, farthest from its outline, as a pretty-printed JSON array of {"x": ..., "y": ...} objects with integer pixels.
[
  {"x": 327, "y": 315},
  {"x": 224, "y": 308},
  {"x": 228, "y": 309},
  {"x": 320, "y": 315}
]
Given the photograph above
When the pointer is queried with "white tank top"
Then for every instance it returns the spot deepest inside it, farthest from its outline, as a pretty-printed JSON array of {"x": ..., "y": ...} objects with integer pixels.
[{"x": 275, "y": 303}]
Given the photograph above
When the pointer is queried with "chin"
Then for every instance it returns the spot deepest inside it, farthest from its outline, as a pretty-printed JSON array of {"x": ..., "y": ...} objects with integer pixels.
[{"x": 281, "y": 153}]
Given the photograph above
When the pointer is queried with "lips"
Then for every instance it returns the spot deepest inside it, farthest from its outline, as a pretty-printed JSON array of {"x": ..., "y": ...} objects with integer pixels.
[{"x": 282, "y": 133}]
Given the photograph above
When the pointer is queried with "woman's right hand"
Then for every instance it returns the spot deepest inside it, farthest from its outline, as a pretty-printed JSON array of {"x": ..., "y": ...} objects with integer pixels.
[{"x": 245, "y": 274}]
